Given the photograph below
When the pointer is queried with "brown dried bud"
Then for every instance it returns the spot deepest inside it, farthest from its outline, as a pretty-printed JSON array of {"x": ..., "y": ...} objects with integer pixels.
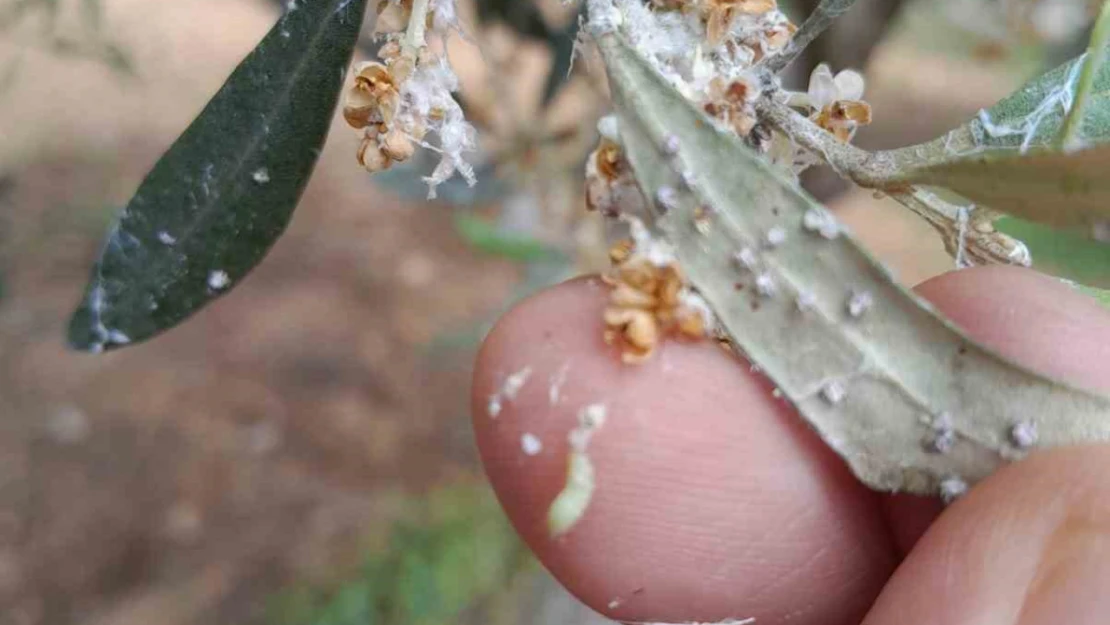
[
  {"x": 628, "y": 297},
  {"x": 691, "y": 323},
  {"x": 670, "y": 286},
  {"x": 393, "y": 16},
  {"x": 621, "y": 251},
  {"x": 373, "y": 97},
  {"x": 778, "y": 37},
  {"x": 610, "y": 160},
  {"x": 639, "y": 274},
  {"x": 371, "y": 157},
  {"x": 397, "y": 146},
  {"x": 640, "y": 329},
  {"x": 389, "y": 50},
  {"x": 852, "y": 110},
  {"x": 359, "y": 108}
]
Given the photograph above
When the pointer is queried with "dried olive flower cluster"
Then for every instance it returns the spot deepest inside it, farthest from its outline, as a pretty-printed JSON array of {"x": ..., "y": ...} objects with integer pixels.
[
  {"x": 649, "y": 299},
  {"x": 709, "y": 50},
  {"x": 397, "y": 102}
]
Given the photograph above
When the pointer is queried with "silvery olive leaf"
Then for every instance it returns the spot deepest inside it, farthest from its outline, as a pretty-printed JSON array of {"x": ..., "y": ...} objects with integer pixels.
[
  {"x": 1058, "y": 189},
  {"x": 910, "y": 402}
]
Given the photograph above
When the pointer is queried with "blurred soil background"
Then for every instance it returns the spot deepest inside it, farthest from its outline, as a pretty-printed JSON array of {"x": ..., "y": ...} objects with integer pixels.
[{"x": 300, "y": 451}]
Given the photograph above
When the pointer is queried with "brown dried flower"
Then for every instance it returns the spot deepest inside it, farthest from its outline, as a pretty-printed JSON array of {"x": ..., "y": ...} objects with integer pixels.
[
  {"x": 646, "y": 304},
  {"x": 719, "y": 14},
  {"x": 373, "y": 98},
  {"x": 837, "y": 101}
]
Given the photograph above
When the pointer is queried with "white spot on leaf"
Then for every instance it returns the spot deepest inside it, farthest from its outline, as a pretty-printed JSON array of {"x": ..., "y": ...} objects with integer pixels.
[
  {"x": 834, "y": 393},
  {"x": 1023, "y": 435},
  {"x": 952, "y": 488},
  {"x": 218, "y": 280},
  {"x": 859, "y": 303},
  {"x": 765, "y": 285},
  {"x": 776, "y": 236}
]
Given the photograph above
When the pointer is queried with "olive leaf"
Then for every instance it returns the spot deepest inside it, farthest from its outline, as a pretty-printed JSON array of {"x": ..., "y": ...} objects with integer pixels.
[
  {"x": 1064, "y": 254},
  {"x": 1059, "y": 189},
  {"x": 223, "y": 193},
  {"x": 1029, "y": 118},
  {"x": 1025, "y": 156},
  {"x": 1068, "y": 106},
  {"x": 886, "y": 381}
]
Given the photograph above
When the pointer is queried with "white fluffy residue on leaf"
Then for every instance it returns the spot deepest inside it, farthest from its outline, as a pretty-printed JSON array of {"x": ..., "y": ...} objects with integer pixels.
[
  {"x": 675, "y": 42},
  {"x": 609, "y": 127},
  {"x": 834, "y": 392},
  {"x": 429, "y": 89},
  {"x": 658, "y": 252},
  {"x": 692, "y": 301},
  {"x": 952, "y": 489},
  {"x": 859, "y": 302},
  {"x": 765, "y": 285},
  {"x": 445, "y": 16},
  {"x": 1027, "y": 127}
]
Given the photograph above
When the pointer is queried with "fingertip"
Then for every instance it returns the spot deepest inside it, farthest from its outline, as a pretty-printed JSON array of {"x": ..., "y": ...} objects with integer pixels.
[
  {"x": 713, "y": 499},
  {"x": 1028, "y": 546},
  {"x": 1030, "y": 318}
]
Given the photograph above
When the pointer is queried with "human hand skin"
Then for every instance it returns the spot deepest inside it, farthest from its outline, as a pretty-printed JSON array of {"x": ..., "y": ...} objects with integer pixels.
[{"x": 715, "y": 501}]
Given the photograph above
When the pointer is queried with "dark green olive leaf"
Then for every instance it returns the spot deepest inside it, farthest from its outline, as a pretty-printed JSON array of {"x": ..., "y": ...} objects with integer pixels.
[
  {"x": 486, "y": 237},
  {"x": 562, "y": 45},
  {"x": 1061, "y": 253},
  {"x": 223, "y": 193},
  {"x": 1058, "y": 189}
]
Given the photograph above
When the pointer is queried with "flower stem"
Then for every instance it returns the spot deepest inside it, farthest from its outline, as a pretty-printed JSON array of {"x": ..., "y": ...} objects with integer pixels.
[
  {"x": 821, "y": 18},
  {"x": 418, "y": 21},
  {"x": 877, "y": 170}
]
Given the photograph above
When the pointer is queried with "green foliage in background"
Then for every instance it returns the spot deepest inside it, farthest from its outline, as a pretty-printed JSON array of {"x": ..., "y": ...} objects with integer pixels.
[
  {"x": 452, "y": 559},
  {"x": 486, "y": 237},
  {"x": 1070, "y": 255}
]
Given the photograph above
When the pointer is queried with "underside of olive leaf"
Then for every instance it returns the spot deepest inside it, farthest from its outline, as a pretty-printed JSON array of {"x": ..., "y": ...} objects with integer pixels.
[
  {"x": 1060, "y": 189},
  {"x": 909, "y": 401}
]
